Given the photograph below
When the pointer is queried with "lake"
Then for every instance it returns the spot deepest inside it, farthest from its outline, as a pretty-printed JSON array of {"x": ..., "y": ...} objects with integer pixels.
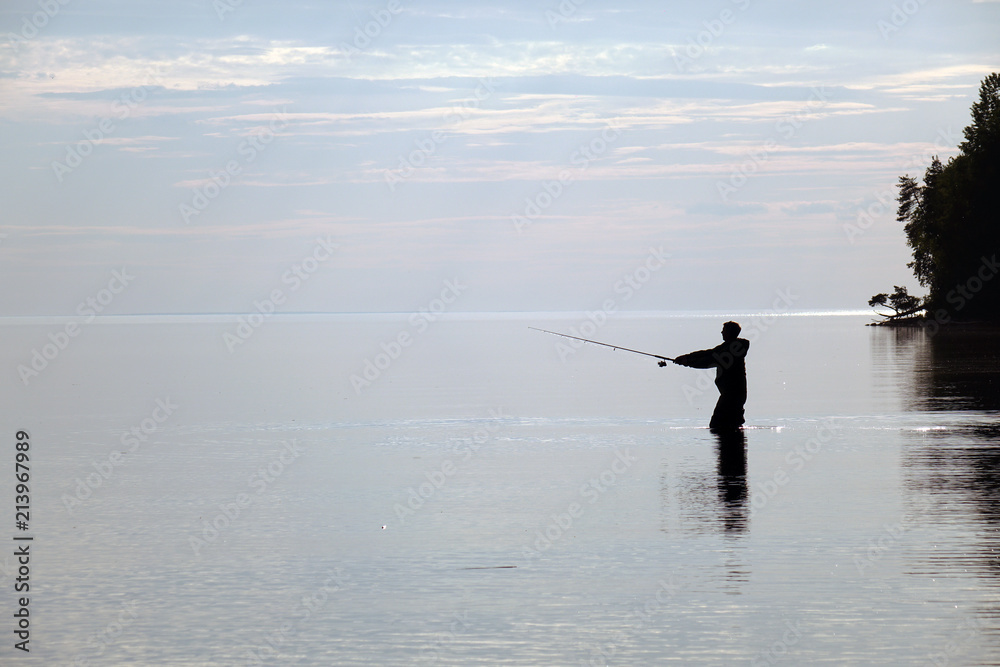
[{"x": 462, "y": 490}]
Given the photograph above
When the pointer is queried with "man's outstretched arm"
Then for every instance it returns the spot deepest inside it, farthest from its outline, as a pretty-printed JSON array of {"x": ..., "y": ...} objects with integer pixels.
[{"x": 699, "y": 359}]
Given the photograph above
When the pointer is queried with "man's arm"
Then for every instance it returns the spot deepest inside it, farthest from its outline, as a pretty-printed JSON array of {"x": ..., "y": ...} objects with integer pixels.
[
  {"x": 699, "y": 359},
  {"x": 717, "y": 356}
]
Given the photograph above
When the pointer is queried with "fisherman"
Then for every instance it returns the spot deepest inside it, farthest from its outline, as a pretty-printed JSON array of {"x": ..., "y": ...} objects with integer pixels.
[{"x": 730, "y": 376}]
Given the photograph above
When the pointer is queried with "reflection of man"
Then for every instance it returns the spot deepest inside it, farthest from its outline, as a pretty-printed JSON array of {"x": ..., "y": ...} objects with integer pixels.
[
  {"x": 731, "y": 449},
  {"x": 730, "y": 375}
]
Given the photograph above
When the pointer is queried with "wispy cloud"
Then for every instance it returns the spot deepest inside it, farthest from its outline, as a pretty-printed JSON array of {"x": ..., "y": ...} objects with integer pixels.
[{"x": 207, "y": 86}]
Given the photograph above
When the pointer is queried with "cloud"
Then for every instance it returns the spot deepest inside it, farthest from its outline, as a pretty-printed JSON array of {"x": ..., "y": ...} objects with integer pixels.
[
  {"x": 351, "y": 119},
  {"x": 726, "y": 210},
  {"x": 809, "y": 208}
]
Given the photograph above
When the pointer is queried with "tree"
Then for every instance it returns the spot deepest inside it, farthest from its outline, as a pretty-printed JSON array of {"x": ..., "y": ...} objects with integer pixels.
[
  {"x": 902, "y": 303},
  {"x": 952, "y": 223},
  {"x": 984, "y": 133}
]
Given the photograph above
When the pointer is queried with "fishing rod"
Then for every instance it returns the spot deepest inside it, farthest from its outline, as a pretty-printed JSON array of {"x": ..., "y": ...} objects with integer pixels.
[{"x": 613, "y": 347}]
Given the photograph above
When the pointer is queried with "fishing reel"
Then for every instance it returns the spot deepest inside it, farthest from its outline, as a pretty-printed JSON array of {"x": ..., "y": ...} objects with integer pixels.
[{"x": 661, "y": 363}]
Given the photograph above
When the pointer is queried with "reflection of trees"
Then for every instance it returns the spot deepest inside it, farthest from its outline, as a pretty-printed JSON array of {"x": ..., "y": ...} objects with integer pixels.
[
  {"x": 952, "y": 483},
  {"x": 897, "y": 354},
  {"x": 961, "y": 370},
  {"x": 955, "y": 464},
  {"x": 956, "y": 368}
]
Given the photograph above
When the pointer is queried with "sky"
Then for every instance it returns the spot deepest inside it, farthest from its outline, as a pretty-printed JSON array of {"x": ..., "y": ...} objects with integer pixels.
[{"x": 222, "y": 156}]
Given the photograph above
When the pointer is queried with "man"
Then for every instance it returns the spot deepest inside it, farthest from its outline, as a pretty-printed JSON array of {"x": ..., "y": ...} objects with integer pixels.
[{"x": 730, "y": 376}]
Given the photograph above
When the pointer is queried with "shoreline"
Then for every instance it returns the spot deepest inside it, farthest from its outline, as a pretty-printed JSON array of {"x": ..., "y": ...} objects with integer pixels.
[{"x": 922, "y": 321}]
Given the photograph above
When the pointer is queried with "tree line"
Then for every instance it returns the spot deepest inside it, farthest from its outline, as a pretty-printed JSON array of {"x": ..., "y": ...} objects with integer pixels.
[{"x": 952, "y": 224}]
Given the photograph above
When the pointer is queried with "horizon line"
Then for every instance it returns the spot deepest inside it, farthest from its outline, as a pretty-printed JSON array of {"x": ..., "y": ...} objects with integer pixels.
[{"x": 557, "y": 314}]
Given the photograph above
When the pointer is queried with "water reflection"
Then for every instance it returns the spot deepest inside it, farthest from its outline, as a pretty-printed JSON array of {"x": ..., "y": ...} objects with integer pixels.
[
  {"x": 954, "y": 368},
  {"x": 707, "y": 500},
  {"x": 951, "y": 464},
  {"x": 731, "y": 454}
]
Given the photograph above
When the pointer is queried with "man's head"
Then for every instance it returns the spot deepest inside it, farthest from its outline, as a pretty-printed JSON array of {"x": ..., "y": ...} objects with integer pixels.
[{"x": 730, "y": 331}]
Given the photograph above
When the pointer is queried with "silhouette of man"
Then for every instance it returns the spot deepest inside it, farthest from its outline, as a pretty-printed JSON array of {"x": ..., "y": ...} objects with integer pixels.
[{"x": 730, "y": 376}]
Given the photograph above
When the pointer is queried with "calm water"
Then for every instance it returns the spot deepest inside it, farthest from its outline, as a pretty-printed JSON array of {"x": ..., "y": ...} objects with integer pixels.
[{"x": 492, "y": 498}]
